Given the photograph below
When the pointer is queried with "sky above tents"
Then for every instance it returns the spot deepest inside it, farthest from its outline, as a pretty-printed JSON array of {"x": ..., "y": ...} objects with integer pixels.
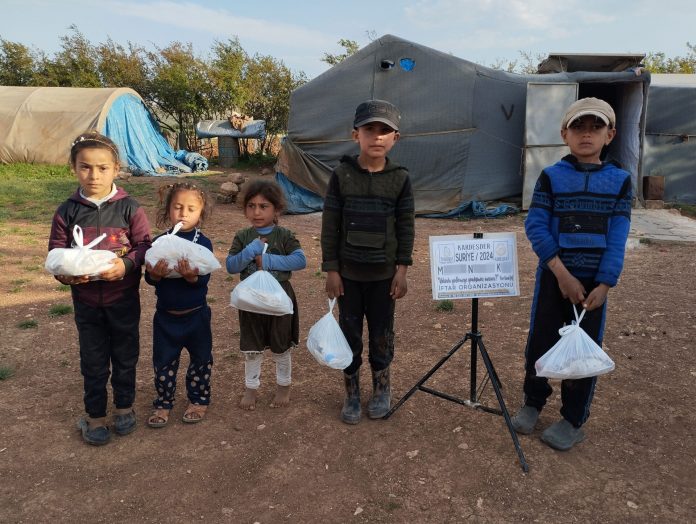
[{"x": 299, "y": 33}]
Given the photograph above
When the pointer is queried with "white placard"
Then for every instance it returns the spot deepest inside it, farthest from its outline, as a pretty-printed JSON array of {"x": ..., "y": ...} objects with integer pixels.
[{"x": 462, "y": 266}]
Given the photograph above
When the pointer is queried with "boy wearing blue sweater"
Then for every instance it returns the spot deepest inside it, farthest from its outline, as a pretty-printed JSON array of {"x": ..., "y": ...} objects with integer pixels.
[{"x": 578, "y": 223}]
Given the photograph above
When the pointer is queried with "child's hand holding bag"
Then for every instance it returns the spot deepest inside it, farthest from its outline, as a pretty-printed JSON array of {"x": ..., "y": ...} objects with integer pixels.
[
  {"x": 261, "y": 293},
  {"x": 574, "y": 356},
  {"x": 327, "y": 343},
  {"x": 172, "y": 248}
]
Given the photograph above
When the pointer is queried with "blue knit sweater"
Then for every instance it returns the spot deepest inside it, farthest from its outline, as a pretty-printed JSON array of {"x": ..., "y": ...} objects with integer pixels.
[{"x": 582, "y": 213}]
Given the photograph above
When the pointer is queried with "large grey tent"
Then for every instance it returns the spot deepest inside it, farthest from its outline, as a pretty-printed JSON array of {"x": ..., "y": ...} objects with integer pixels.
[
  {"x": 467, "y": 133},
  {"x": 670, "y": 135}
]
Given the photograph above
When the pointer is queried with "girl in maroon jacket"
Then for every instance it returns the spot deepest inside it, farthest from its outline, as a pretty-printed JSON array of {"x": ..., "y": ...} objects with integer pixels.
[{"x": 107, "y": 307}]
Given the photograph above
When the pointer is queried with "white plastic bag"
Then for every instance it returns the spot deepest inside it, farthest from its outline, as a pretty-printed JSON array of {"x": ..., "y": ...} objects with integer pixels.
[
  {"x": 327, "y": 343},
  {"x": 80, "y": 260},
  {"x": 172, "y": 248},
  {"x": 574, "y": 356},
  {"x": 261, "y": 293}
]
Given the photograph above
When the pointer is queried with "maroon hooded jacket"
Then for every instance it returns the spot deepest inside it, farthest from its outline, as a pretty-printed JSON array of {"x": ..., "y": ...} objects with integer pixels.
[{"x": 127, "y": 234}]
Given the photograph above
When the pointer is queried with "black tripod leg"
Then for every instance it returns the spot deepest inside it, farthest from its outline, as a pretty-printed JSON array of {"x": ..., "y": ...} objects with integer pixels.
[
  {"x": 499, "y": 396},
  {"x": 425, "y": 378}
]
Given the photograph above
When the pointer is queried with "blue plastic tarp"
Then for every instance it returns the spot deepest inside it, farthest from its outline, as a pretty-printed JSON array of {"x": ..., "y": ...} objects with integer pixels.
[
  {"x": 476, "y": 209},
  {"x": 213, "y": 128},
  {"x": 193, "y": 160},
  {"x": 299, "y": 200},
  {"x": 141, "y": 144}
]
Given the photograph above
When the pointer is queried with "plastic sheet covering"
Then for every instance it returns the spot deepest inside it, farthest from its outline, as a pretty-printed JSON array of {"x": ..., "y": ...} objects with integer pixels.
[
  {"x": 213, "y": 128},
  {"x": 193, "y": 160},
  {"x": 299, "y": 200},
  {"x": 141, "y": 145},
  {"x": 475, "y": 209}
]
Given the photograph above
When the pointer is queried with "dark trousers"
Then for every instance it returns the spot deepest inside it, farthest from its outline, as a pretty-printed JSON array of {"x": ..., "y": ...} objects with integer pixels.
[
  {"x": 170, "y": 335},
  {"x": 550, "y": 311},
  {"x": 372, "y": 301},
  {"x": 109, "y": 344}
]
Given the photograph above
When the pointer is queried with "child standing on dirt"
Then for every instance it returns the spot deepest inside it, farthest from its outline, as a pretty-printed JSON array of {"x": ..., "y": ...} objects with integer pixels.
[
  {"x": 263, "y": 202},
  {"x": 367, "y": 239},
  {"x": 182, "y": 318},
  {"x": 578, "y": 224},
  {"x": 107, "y": 308}
]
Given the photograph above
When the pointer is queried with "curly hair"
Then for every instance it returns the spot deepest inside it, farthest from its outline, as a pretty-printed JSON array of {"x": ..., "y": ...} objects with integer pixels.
[{"x": 166, "y": 194}]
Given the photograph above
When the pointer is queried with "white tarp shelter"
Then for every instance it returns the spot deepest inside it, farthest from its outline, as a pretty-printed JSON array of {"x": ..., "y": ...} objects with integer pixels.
[{"x": 38, "y": 125}]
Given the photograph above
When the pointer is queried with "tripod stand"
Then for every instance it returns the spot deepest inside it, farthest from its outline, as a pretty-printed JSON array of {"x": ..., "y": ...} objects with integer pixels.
[{"x": 476, "y": 346}]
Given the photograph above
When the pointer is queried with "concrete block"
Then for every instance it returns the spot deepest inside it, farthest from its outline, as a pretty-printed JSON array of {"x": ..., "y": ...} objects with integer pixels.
[{"x": 654, "y": 204}]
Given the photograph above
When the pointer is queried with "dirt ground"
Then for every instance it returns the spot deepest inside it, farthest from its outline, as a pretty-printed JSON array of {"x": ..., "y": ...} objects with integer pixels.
[{"x": 432, "y": 461}]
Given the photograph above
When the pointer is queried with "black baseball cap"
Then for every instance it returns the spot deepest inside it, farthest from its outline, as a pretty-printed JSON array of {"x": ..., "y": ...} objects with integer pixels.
[{"x": 377, "y": 111}]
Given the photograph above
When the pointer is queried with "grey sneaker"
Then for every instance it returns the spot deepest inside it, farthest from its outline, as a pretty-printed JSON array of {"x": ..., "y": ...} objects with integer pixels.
[
  {"x": 525, "y": 419},
  {"x": 562, "y": 435}
]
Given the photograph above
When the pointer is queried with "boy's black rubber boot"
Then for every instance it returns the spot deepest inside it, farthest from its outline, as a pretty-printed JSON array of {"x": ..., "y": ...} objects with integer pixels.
[
  {"x": 124, "y": 424},
  {"x": 97, "y": 436},
  {"x": 350, "y": 414},
  {"x": 380, "y": 403}
]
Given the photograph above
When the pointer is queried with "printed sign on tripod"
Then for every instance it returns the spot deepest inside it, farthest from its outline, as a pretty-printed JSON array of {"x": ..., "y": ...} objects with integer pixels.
[{"x": 466, "y": 267}]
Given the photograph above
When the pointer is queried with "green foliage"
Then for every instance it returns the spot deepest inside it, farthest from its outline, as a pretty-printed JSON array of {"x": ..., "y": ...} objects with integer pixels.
[
  {"x": 268, "y": 84},
  {"x": 444, "y": 305},
  {"x": 63, "y": 288},
  {"x": 660, "y": 63},
  {"x": 688, "y": 210},
  {"x": 18, "y": 285},
  {"x": 179, "y": 85},
  {"x": 527, "y": 64},
  {"x": 75, "y": 65},
  {"x": 226, "y": 76},
  {"x": 350, "y": 47},
  {"x": 28, "y": 324},
  {"x": 60, "y": 310},
  {"x": 6, "y": 372},
  {"x": 17, "y": 64},
  {"x": 121, "y": 67},
  {"x": 256, "y": 159},
  {"x": 33, "y": 191}
]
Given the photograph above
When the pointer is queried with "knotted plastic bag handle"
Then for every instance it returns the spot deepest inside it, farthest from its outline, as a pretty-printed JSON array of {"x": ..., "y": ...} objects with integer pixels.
[
  {"x": 265, "y": 247},
  {"x": 78, "y": 236},
  {"x": 567, "y": 329},
  {"x": 176, "y": 228},
  {"x": 332, "y": 303}
]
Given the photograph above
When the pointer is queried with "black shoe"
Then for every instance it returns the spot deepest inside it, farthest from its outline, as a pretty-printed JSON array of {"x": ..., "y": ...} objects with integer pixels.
[
  {"x": 125, "y": 424},
  {"x": 380, "y": 403},
  {"x": 350, "y": 414},
  {"x": 97, "y": 436}
]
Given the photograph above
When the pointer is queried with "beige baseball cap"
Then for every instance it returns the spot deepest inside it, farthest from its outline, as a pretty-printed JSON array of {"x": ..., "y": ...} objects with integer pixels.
[{"x": 589, "y": 106}]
